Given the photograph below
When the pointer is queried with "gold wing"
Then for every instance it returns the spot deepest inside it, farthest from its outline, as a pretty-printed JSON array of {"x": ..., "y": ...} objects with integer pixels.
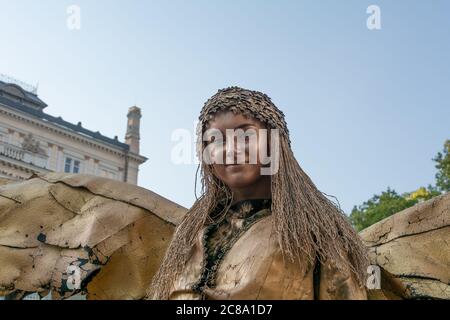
[
  {"x": 72, "y": 234},
  {"x": 412, "y": 248},
  {"x": 112, "y": 236}
]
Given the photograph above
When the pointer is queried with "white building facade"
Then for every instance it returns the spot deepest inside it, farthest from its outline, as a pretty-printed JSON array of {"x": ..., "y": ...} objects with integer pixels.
[{"x": 32, "y": 141}]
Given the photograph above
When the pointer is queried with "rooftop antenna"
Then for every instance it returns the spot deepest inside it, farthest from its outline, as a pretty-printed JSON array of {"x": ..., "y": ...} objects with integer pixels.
[
  {"x": 25, "y": 86},
  {"x": 36, "y": 88}
]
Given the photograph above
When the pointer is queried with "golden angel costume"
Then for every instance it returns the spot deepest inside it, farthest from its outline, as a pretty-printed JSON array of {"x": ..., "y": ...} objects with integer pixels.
[
  {"x": 295, "y": 245},
  {"x": 239, "y": 258},
  {"x": 79, "y": 215}
]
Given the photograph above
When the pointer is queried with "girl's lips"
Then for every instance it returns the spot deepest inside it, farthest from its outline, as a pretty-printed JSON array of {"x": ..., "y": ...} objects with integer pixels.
[{"x": 233, "y": 166}]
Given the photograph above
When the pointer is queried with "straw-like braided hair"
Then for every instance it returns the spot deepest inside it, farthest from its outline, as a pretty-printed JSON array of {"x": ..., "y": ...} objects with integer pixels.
[{"x": 309, "y": 227}]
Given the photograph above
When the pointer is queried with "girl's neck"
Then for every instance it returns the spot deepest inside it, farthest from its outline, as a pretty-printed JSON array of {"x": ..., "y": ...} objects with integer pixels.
[{"x": 260, "y": 190}]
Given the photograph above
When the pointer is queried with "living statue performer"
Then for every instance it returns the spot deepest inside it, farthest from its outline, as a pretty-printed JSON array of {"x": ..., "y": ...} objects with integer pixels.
[
  {"x": 259, "y": 230},
  {"x": 252, "y": 235}
]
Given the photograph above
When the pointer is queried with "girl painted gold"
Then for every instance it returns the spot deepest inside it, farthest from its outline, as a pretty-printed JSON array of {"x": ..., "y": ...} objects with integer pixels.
[{"x": 252, "y": 235}]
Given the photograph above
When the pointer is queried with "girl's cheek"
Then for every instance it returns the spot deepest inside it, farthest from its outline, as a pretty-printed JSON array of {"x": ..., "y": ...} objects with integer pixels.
[{"x": 217, "y": 154}]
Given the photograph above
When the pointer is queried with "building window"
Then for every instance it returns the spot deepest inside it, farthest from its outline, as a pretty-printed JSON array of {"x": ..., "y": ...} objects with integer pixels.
[
  {"x": 76, "y": 166},
  {"x": 72, "y": 165},
  {"x": 68, "y": 165}
]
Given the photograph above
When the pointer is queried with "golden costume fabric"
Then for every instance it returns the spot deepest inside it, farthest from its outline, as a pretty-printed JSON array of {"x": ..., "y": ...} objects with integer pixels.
[{"x": 239, "y": 258}]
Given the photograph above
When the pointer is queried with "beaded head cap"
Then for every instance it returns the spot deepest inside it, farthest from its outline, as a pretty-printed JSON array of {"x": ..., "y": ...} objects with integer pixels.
[{"x": 247, "y": 102}]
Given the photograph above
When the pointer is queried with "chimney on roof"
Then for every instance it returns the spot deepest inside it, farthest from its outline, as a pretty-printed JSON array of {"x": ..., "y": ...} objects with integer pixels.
[{"x": 132, "y": 136}]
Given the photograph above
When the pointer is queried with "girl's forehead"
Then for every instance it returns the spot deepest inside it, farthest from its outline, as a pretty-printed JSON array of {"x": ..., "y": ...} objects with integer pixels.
[{"x": 231, "y": 120}]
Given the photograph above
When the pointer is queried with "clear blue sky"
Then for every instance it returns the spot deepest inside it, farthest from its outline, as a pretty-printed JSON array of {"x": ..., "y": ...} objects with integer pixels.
[{"x": 366, "y": 109}]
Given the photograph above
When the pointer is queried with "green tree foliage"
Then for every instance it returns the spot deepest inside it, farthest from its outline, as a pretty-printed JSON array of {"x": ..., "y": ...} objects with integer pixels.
[
  {"x": 389, "y": 202},
  {"x": 442, "y": 160},
  {"x": 379, "y": 207}
]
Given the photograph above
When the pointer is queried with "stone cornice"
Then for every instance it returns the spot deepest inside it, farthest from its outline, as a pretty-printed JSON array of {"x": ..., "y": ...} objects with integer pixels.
[{"x": 73, "y": 135}]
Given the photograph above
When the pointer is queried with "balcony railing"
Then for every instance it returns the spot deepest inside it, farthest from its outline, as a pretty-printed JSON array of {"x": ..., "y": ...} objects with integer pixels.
[
  {"x": 18, "y": 153},
  {"x": 11, "y": 151}
]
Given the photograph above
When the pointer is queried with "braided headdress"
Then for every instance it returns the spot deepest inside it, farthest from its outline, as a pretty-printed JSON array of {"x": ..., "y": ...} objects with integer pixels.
[{"x": 308, "y": 225}]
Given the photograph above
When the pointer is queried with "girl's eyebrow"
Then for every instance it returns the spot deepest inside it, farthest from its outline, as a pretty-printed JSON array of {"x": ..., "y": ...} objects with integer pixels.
[{"x": 244, "y": 125}]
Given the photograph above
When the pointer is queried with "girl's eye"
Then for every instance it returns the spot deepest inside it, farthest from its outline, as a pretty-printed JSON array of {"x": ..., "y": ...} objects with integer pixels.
[
  {"x": 247, "y": 136},
  {"x": 217, "y": 142},
  {"x": 251, "y": 133},
  {"x": 241, "y": 135}
]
